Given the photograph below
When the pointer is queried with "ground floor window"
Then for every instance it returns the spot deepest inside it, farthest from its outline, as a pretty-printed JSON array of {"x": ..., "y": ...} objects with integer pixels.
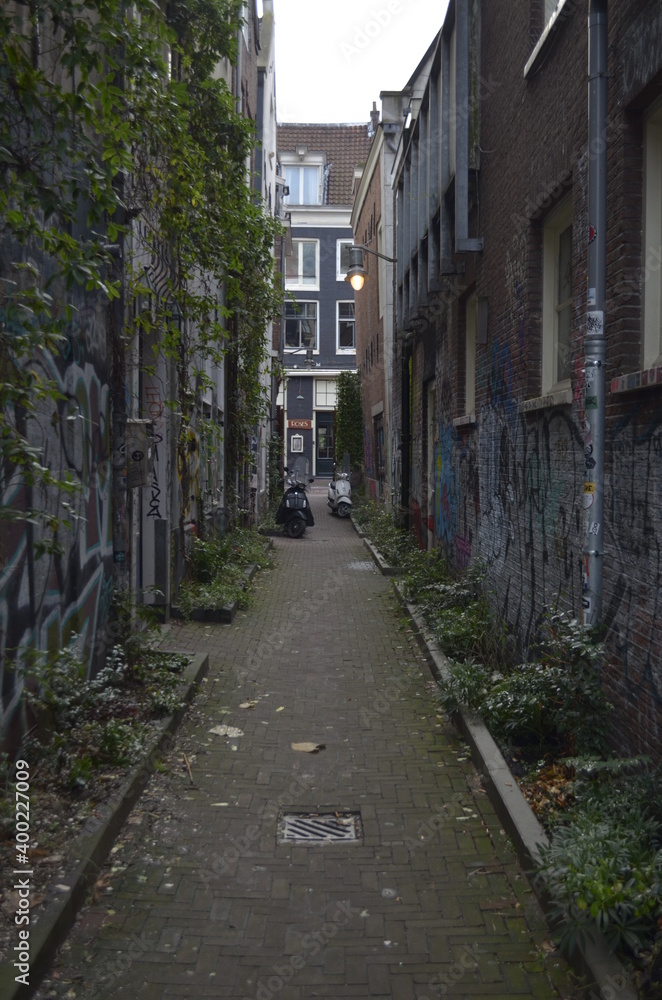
[{"x": 326, "y": 392}]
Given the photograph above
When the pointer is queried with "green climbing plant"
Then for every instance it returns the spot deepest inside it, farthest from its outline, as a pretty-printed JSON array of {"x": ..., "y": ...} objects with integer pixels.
[
  {"x": 120, "y": 141},
  {"x": 349, "y": 419}
]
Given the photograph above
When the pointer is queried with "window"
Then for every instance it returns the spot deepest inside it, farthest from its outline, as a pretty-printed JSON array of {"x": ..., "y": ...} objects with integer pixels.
[
  {"x": 470, "y": 355},
  {"x": 652, "y": 249},
  {"x": 342, "y": 258},
  {"x": 346, "y": 327},
  {"x": 303, "y": 181},
  {"x": 326, "y": 392},
  {"x": 325, "y": 447},
  {"x": 302, "y": 266},
  {"x": 300, "y": 325},
  {"x": 557, "y": 297}
]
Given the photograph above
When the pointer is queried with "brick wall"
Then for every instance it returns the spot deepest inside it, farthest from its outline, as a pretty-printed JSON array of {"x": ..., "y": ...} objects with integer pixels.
[{"x": 509, "y": 489}]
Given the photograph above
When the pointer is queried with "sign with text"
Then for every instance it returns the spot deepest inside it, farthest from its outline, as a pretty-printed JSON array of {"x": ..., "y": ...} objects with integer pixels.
[{"x": 301, "y": 425}]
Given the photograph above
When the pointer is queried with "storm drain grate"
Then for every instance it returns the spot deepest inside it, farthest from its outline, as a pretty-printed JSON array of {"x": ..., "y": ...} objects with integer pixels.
[{"x": 319, "y": 828}]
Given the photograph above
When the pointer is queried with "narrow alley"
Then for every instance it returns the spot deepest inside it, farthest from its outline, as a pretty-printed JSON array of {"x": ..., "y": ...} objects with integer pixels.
[{"x": 211, "y": 892}]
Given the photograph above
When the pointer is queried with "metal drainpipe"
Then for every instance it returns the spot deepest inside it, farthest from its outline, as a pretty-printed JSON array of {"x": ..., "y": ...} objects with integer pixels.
[{"x": 596, "y": 341}]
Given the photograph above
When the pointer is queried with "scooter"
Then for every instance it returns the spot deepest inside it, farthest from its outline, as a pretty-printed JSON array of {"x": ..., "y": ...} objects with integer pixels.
[
  {"x": 339, "y": 495},
  {"x": 294, "y": 512}
]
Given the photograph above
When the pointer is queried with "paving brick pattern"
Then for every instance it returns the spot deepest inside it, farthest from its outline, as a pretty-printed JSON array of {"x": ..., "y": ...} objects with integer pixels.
[{"x": 199, "y": 899}]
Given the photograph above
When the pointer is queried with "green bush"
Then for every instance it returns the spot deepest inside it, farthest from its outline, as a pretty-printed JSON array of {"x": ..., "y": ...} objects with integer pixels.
[
  {"x": 467, "y": 683},
  {"x": 605, "y": 876},
  {"x": 217, "y": 570}
]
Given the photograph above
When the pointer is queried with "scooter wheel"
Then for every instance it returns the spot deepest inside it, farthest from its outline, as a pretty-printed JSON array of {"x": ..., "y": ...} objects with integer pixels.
[
  {"x": 344, "y": 510},
  {"x": 296, "y": 527}
]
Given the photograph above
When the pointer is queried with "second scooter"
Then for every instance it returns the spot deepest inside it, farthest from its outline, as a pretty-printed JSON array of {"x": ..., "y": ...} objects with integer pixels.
[{"x": 339, "y": 496}]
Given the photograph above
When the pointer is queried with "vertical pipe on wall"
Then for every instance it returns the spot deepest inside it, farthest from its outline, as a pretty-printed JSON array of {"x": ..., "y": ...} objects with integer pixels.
[
  {"x": 596, "y": 342},
  {"x": 463, "y": 101}
]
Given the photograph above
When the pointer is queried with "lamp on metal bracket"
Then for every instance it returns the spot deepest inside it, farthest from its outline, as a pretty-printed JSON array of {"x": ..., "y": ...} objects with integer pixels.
[
  {"x": 310, "y": 360},
  {"x": 357, "y": 274}
]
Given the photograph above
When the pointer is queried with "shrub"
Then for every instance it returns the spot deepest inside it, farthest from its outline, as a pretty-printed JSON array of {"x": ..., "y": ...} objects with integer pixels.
[
  {"x": 217, "y": 570},
  {"x": 467, "y": 683},
  {"x": 605, "y": 876}
]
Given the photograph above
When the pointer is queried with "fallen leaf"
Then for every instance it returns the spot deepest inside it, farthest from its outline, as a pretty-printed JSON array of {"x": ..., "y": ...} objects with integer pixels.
[
  {"x": 308, "y": 747},
  {"x": 231, "y": 731},
  {"x": 280, "y": 709},
  {"x": 248, "y": 704}
]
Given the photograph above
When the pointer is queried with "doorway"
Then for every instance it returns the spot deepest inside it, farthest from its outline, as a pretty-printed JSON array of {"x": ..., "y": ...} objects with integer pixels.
[{"x": 324, "y": 444}]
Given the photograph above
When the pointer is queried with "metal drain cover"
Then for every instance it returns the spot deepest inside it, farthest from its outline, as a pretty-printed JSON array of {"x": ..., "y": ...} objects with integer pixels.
[
  {"x": 362, "y": 564},
  {"x": 319, "y": 828}
]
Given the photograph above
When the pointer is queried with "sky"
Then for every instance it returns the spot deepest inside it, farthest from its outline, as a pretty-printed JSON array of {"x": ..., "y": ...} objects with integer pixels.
[{"x": 333, "y": 59}]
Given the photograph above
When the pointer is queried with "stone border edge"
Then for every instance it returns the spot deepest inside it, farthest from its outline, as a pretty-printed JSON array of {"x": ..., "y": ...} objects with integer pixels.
[
  {"x": 384, "y": 568},
  {"x": 93, "y": 847},
  {"x": 593, "y": 960}
]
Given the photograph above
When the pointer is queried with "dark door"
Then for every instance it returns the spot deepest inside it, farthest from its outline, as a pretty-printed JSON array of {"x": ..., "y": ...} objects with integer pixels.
[{"x": 324, "y": 445}]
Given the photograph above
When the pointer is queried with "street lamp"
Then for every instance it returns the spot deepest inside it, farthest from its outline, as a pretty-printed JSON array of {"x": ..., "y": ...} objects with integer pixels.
[
  {"x": 357, "y": 274},
  {"x": 310, "y": 360}
]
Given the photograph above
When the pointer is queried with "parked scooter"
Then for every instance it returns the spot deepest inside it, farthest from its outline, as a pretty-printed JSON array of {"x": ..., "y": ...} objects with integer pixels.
[
  {"x": 339, "y": 496},
  {"x": 294, "y": 512}
]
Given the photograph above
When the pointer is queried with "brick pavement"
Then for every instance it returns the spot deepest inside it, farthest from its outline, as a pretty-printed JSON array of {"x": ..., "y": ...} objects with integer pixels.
[{"x": 200, "y": 900}]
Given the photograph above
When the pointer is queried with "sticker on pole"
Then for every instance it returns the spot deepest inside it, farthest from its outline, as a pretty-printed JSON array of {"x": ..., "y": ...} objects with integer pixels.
[{"x": 595, "y": 323}]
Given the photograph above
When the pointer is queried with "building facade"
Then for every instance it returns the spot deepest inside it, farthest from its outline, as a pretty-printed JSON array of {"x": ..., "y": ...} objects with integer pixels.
[
  {"x": 134, "y": 443},
  {"x": 318, "y": 164},
  {"x": 493, "y": 399}
]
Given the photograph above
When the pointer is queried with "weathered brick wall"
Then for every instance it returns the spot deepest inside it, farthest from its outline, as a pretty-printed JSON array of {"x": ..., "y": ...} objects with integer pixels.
[{"x": 509, "y": 490}]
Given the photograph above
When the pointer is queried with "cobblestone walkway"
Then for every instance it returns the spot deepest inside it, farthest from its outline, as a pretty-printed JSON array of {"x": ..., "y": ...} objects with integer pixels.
[{"x": 201, "y": 899}]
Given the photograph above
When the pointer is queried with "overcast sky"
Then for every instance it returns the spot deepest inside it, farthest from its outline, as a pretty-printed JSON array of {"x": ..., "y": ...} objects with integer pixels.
[{"x": 332, "y": 60}]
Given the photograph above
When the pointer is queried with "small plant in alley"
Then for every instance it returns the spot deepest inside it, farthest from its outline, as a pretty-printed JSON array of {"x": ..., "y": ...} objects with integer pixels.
[
  {"x": 83, "y": 724},
  {"x": 217, "y": 570}
]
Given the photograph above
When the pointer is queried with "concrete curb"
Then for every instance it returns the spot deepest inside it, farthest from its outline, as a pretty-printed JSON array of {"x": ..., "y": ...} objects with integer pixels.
[
  {"x": 50, "y": 928},
  {"x": 384, "y": 568},
  {"x": 593, "y": 960}
]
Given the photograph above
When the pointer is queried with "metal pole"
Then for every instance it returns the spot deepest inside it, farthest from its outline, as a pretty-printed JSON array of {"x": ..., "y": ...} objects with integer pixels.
[{"x": 596, "y": 341}]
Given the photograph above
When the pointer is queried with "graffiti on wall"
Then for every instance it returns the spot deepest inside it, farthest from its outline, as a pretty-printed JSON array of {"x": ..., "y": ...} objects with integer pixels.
[{"x": 62, "y": 597}]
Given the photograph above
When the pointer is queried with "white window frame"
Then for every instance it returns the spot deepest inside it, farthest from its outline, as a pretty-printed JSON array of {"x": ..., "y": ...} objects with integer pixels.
[
  {"x": 300, "y": 349},
  {"x": 330, "y": 391},
  {"x": 340, "y": 274},
  {"x": 339, "y": 349},
  {"x": 550, "y": 8},
  {"x": 651, "y": 290},
  {"x": 470, "y": 355},
  {"x": 291, "y": 163},
  {"x": 555, "y": 224},
  {"x": 552, "y": 17},
  {"x": 299, "y": 284}
]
